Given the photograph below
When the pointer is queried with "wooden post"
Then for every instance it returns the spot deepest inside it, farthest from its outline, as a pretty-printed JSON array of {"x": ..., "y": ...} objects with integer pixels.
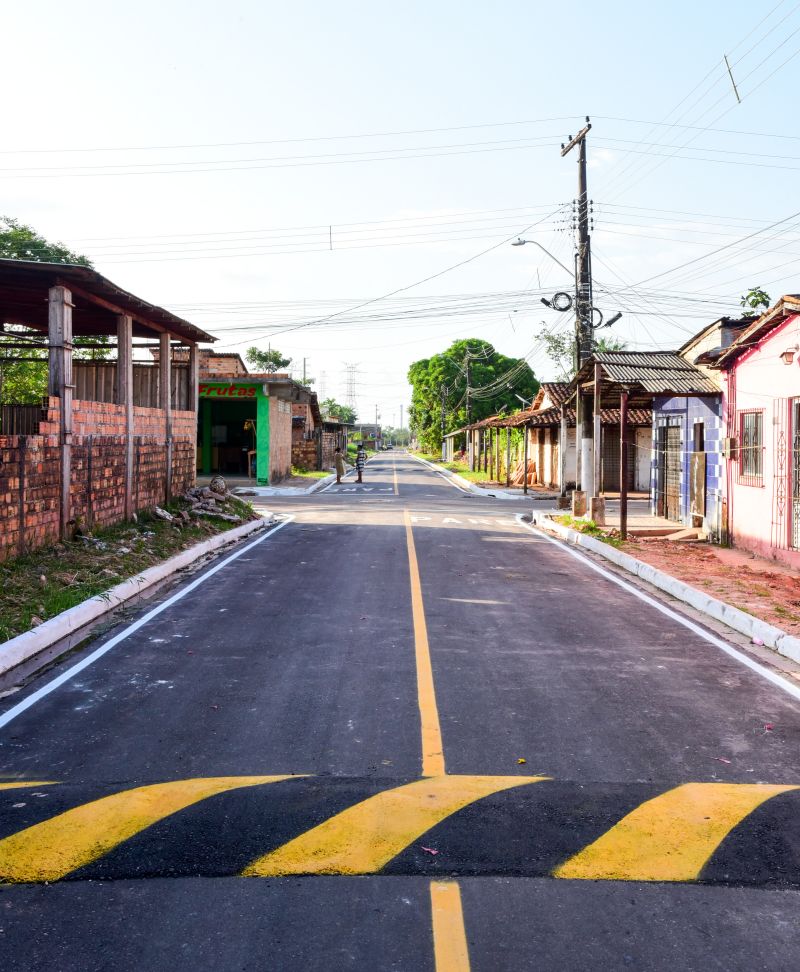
[
  {"x": 165, "y": 402},
  {"x": 508, "y": 455},
  {"x": 597, "y": 434},
  {"x": 125, "y": 398},
  {"x": 526, "y": 432},
  {"x": 562, "y": 451},
  {"x": 193, "y": 404},
  {"x": 59, "y": 325},
  {"x": 623, "y": 464}
]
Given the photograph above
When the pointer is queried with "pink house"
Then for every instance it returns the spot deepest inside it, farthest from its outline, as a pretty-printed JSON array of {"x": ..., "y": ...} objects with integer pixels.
[{"x": 761, "y": 382}]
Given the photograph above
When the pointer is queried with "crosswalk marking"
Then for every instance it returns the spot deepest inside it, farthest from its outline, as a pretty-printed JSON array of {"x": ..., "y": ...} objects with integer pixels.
[
  {"x": 672, "y": 836},
  {"x": 52, "y": 849},
  {"x": 364, "y": 838}
]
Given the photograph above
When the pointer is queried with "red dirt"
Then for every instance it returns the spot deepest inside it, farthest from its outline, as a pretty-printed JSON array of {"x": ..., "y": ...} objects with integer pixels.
[{"x": 767, "y": 591}]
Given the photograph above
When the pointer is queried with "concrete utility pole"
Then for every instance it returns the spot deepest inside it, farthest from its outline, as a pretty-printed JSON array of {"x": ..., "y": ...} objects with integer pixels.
[
  {"x": 443, "y": 394},
  {"x": 584, "y": 424}
]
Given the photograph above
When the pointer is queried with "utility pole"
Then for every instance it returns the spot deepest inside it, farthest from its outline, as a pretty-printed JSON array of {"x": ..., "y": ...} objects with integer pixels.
[
  {"x": 584, "y": 425},
  {"x": 443, "y": 394},
  {"x": 304, "y": 371}
]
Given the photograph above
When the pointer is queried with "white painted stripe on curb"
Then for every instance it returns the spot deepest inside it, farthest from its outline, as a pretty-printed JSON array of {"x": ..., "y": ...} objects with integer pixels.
[
  {"x": 453, "y": 478},
  {"x": 745, "y": 660},
  {"x": 52, "y": 685}
]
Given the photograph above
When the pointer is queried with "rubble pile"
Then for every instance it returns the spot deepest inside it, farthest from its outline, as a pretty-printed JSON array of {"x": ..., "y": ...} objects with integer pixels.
[{"x": 206, "y": 501}]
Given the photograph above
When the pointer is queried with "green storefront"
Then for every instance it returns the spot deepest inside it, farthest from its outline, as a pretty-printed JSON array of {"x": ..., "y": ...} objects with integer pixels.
[{"x": 233, "y": 429}]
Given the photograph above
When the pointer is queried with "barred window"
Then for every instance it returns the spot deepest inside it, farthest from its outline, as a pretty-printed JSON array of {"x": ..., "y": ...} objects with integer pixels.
[{"x": 751, "y": 441}]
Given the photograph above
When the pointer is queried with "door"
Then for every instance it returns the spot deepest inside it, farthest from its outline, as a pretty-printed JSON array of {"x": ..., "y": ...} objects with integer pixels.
[
  {"x": 669, "y": 498},
  {"x": 795, "y": 475}
]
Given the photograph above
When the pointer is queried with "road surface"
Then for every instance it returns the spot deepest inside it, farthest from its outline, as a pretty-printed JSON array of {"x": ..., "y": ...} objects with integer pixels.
[{"x": 403, "y": 731}]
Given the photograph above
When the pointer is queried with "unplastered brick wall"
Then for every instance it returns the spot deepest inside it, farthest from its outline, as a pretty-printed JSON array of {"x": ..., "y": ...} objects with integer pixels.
[
  {"x": 98, "y": 480},
  {"x": 304, "y": 454},
  {"x": 30, "y": 492},
  {"x": 280, "y": 439},
  {"x": 97, "y": 418},
  {"x": 184, "y": 450}
]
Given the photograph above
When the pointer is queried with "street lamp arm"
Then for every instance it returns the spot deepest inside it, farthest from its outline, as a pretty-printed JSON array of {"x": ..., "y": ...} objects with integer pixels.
[{"x": 521, "y": 242}]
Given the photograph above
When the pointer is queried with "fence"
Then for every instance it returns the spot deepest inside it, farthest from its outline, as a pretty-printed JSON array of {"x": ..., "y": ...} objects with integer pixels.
[
  {"x": 96, "y": 381},
  {"x": 21, "y": 419}
]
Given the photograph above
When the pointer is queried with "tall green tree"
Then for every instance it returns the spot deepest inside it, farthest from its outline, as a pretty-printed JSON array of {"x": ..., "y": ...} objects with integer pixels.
[
  {"x": 23, "y": 370},
  {"x": 331, "y": 409},
  {"x": 560, "y": 349},
  {"x": 269, "y": 361},
  {"x": 441, "y": 382}
]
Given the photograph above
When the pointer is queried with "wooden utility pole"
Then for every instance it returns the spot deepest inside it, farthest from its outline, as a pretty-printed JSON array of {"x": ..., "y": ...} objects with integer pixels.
[{"x": 623, "y": 464}]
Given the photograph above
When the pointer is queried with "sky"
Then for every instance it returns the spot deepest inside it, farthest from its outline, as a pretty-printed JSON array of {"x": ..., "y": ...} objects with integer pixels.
[{"x": 343, "y": 181}]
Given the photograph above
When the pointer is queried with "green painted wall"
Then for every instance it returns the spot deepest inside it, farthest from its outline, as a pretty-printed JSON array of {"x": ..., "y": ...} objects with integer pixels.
[{"x": 262, "y": 439}]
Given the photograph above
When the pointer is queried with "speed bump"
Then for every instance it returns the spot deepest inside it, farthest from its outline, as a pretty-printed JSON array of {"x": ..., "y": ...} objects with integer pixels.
[{"x": 438, "y": 827}]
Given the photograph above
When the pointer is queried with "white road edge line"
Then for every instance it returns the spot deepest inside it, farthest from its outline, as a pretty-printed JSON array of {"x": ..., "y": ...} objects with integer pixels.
[
  {"x": 438, "y": 472},
  {"x": 743, "y": 659},
  {"x": 51, "y": 686}
]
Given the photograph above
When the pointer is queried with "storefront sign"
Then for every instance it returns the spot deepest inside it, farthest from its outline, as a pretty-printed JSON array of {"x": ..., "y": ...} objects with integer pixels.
[{"x": 234, "y": 390}]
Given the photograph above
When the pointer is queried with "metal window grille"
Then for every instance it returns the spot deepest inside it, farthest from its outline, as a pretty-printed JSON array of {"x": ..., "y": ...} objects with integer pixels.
[
  {"x": 751, "y": 448},
  {"x": 796, "y": 473}
]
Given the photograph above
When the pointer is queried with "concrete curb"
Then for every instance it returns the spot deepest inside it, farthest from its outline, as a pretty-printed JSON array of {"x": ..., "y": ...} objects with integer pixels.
[
  {"x": 758, "y": 631},
  {"x": 496, "y": 493},
  {"x": 31, "y": 643}
]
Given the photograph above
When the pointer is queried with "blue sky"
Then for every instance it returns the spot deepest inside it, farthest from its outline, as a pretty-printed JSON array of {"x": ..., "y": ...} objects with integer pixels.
[{"x": 123, "y": 105}]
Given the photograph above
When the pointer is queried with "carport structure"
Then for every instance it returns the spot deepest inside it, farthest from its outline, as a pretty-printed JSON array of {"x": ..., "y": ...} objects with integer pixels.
[
  {"x": 627, "y": 380},
  {"x": 123, "y": 431}
]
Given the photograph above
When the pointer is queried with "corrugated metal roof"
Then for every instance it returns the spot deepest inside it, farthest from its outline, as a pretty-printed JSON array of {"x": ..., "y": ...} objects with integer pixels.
[{"x": 657, "y": 372}]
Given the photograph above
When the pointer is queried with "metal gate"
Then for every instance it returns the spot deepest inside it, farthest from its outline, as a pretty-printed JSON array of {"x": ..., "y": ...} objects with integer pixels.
[
  {"x": 669, "y": 469},
  {"x": 795, "y": 474},
  {"x": 609, "y": 469}
]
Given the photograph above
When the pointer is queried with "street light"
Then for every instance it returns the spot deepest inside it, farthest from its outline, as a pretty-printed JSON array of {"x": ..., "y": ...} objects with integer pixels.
[{"x": 520, "y": 242}]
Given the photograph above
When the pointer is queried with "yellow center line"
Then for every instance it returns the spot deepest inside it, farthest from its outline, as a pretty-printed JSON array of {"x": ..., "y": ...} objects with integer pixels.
[
  {"x": 450, "y": 950},
  {"x": 52, "y": 849},
  {"x": 432, "y": 747},
  {"x": 363, "y": 838},
  {"x": 672, "y": 836},
  {"x": 22, "y": 784}
]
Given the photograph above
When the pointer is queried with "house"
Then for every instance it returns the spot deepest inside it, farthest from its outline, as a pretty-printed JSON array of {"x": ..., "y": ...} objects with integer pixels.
[
  {"x": 245, "y": 420},
  {"x": 113, "y": 435},
  {"x": 760, "y": 370}
]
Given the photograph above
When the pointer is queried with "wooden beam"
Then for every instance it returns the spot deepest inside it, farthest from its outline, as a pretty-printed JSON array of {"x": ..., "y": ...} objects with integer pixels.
[
  {"x": 165, "y": 402},
  {"x": 125, "y": 398},
  {"x": 597, "y": 432},
  {"x": 116, "y": 309},
  {"x": 623, "y": 464},
  {"x": 59, "y": 315}
]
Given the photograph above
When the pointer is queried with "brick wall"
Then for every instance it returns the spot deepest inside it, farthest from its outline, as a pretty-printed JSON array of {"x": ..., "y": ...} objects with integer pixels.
[
  {"x": 280, "y": 439},
  {"x": 30, "y": 470},
  {"x": 304, "y": 454}
]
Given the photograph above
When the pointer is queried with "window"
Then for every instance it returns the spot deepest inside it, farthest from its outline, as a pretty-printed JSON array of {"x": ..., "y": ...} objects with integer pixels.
[
  {"x": 751, "y": 441},
  {"x": 699, "y": 437}
]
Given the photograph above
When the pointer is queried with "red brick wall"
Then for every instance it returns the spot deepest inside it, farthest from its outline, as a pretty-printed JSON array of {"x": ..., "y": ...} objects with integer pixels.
[
  {"x": 304, "y": 454},
  {"x": 280, "y": 439},
  {"x": 97, "y": 484}
]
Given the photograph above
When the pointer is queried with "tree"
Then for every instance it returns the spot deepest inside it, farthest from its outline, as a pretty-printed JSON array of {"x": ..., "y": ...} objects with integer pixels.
[
  {"x": 754, "y": 299},
  {"x": 560, "y": 349},
  {"x": 23, "y": 370},
  {"x": 21, "y": 242},
  {"x": 440, "y": 382},
  {"x": 269, "y": 361},
  {"x": 331, "y": 409}
]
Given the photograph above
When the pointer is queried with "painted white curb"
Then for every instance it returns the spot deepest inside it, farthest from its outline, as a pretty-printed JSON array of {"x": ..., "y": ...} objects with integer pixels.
[
  {"x": 496, "y": 493},
  {"x": 285, "y": 490},
  {"x": 30, "y": 643},
  {"x": 758, "y": 631}
]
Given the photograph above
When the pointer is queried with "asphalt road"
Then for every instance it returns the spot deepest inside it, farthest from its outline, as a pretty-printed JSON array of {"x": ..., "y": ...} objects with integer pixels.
[{"x": 402, "y": 732}]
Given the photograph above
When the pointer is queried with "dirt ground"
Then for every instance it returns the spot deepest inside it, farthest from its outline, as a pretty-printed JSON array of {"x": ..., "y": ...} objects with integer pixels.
[{"x": 766, "y": 590}]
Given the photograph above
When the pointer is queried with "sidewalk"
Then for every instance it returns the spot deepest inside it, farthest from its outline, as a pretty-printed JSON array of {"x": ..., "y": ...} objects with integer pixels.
[
  {"x": 489, "y": 488},
  {"x": 294, "y": 486}
]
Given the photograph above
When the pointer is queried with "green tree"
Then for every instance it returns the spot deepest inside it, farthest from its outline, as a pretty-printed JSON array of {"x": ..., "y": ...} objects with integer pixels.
[
  {"x": 21, "y": 242},
  {"x": 269, "y": 361},
  {"x": 560, "y": 349},
  {"x": 754, "y": 301},
  {"x": 331, "y": 409},
  {"x": 441, "y": 382},
  {"x": 23, "y": 362}
]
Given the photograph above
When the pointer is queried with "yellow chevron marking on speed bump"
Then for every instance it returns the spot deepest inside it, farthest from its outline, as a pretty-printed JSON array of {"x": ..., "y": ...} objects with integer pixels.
[
  {"x": 450, "y": 949},
  {"x": 52, "y": 849},
  {"x": 672, "y": 836},
  {"x": 364, "y": 838},
  {"x": 25, "y": 784}
]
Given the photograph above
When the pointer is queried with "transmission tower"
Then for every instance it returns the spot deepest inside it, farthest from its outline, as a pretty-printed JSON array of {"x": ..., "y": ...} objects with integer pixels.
[{"x": 351, "y": 371}]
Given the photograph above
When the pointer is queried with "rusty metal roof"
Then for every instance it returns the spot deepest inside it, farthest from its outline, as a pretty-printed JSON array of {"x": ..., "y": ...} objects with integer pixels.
[
  {"x": 787, "y": 306},
  {"x": 656, "y": 372}
]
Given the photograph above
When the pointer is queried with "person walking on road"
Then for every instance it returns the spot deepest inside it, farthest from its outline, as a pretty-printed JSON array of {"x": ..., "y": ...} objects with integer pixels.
[
  {"x": 361, "y": 461},
  {"x": 341, "y": 465}
]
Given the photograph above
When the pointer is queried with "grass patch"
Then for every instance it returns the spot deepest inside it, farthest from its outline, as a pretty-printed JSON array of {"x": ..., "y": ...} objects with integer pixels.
[
  {"x": 47, "y": 581},
  {"x": 310, "y": 473},
  {"x": 590, "y": 528}
]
